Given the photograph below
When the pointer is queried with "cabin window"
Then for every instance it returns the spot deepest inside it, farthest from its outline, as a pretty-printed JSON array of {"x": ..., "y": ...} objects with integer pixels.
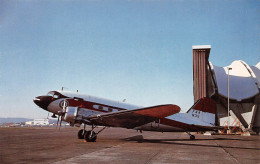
[{"x": 100, "y": 107}]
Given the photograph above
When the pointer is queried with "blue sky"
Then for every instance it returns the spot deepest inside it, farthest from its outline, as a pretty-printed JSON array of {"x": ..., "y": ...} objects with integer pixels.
[{"x": 140, "y": 51}]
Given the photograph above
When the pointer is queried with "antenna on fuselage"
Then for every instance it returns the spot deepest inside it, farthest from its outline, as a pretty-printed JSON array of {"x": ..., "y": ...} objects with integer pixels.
[{"x": 62, "y": 88}]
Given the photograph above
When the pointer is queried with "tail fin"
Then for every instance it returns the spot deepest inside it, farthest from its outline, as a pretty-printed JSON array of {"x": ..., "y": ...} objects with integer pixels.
[{"x": 204, "y": 109}]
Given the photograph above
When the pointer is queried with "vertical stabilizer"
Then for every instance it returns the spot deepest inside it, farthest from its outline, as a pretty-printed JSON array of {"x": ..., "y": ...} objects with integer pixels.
[{"x": 204, "y": 110}]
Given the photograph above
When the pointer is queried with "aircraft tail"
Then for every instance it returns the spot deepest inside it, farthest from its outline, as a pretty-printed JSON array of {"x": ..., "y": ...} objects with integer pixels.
[{"x": 204, "y": 110}]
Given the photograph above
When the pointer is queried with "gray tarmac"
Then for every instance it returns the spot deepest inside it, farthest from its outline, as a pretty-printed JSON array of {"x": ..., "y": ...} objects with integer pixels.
[{"x": 117, "y": 145}]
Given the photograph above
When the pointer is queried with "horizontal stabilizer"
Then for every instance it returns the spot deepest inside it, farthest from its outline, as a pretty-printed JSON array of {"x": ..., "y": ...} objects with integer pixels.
[{"x": 189, "y": 127}]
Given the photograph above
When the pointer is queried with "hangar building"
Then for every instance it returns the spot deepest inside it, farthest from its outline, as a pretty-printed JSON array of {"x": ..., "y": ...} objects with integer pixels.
[
  {"x": 44, "y": 121},
  {"x": 243, "y": 89}
]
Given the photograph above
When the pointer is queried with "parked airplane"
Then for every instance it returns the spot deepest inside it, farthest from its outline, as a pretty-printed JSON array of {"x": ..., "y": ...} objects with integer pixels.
[{"x": 78, "y": 109}]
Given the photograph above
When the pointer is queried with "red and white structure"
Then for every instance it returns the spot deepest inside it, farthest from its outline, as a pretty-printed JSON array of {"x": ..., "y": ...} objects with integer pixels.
[{"x": 243, "y": 91}]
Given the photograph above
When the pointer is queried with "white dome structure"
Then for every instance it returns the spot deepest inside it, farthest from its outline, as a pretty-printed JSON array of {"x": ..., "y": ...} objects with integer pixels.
[{"x": 244, "y": 80}]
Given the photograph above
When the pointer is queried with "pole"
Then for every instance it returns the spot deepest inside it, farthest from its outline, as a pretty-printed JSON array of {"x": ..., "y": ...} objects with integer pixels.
[{"x": 228, "y": 103}]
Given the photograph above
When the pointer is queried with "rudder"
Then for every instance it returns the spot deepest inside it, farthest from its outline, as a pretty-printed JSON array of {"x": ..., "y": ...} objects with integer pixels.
[{"x": 204, "y": 109}]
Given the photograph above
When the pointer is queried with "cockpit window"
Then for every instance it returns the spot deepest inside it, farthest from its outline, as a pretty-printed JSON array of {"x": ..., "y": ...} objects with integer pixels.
[
  {"x": 53, "y": 94},
  {"x": 56, "y": 96},
  {"x": 50, "y": 94}
]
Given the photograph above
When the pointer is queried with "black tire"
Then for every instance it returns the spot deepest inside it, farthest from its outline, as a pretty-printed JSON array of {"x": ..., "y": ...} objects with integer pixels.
[
  {"x": 192, "y": 137},
  {"x": 90, "y": 138},
  {"x": 81, "y": 134}
]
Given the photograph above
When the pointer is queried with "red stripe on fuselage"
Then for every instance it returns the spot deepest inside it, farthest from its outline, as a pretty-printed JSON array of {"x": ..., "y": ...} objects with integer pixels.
[{"x": 90, "y": 105}]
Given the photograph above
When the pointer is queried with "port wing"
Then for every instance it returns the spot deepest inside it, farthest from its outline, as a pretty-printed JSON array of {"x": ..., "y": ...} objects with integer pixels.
[{"x": 136, "y": 117}]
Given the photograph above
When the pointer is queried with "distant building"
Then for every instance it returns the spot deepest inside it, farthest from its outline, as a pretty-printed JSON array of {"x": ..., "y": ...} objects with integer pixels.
[
  {"x": 44, "y": 121},
  {"x": 29, "y": 123},
  {"x": 14, "y": 124}
]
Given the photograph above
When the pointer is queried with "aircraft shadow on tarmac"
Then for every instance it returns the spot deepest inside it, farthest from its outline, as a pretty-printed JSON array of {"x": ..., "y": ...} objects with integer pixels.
[{"x": 140, "y": 139}]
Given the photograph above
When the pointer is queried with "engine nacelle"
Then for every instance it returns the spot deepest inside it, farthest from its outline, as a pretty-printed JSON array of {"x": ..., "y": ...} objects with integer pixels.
[{"x": 71, "y": 114}]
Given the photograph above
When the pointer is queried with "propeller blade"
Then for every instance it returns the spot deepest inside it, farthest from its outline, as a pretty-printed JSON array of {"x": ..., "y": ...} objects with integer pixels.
[
  {"x": 63, "y": 112},
  {"x": 57, "y": 122},
  {"x": 60, "y": 122}
]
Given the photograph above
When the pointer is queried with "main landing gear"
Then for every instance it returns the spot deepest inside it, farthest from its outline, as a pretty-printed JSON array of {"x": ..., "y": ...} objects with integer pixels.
[
  {"x": 192, "y": 137},
  {"x": 89, "y": 136}
]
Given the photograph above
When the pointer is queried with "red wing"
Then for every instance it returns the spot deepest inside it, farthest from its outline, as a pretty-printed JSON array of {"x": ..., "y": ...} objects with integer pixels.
[{"x": 135, "y": 117}]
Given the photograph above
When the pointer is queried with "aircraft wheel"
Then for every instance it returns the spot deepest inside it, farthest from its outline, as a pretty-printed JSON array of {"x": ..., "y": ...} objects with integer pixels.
[
  {"x": 192, "y": 137},
  {"x": 81, "y": 134},
  {"x": 90, "y": 137}
]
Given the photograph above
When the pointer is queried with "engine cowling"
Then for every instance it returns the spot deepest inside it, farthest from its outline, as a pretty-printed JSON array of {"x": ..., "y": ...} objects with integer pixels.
[{"x": 71, "y": 114}]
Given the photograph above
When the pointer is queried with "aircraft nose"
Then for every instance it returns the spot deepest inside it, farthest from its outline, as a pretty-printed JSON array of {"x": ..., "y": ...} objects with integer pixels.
[
  {"x": 36, "y": 100},
  {"x": 43, "y": 101}
]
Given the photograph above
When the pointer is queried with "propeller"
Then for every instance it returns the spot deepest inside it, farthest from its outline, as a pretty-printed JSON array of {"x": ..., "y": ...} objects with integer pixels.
[{"x": 61, "y": 113}]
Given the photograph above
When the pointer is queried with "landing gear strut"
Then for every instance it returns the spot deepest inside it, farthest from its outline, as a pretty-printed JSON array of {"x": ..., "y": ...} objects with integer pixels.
[
  {"x": 82, "y": 132},
  {"x": 192, "y": 137},
  {"x": 89, "y": 136}
]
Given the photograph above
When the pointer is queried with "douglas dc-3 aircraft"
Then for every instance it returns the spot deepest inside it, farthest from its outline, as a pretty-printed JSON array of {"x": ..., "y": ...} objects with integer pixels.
[{"x": 78, "y": 109}]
